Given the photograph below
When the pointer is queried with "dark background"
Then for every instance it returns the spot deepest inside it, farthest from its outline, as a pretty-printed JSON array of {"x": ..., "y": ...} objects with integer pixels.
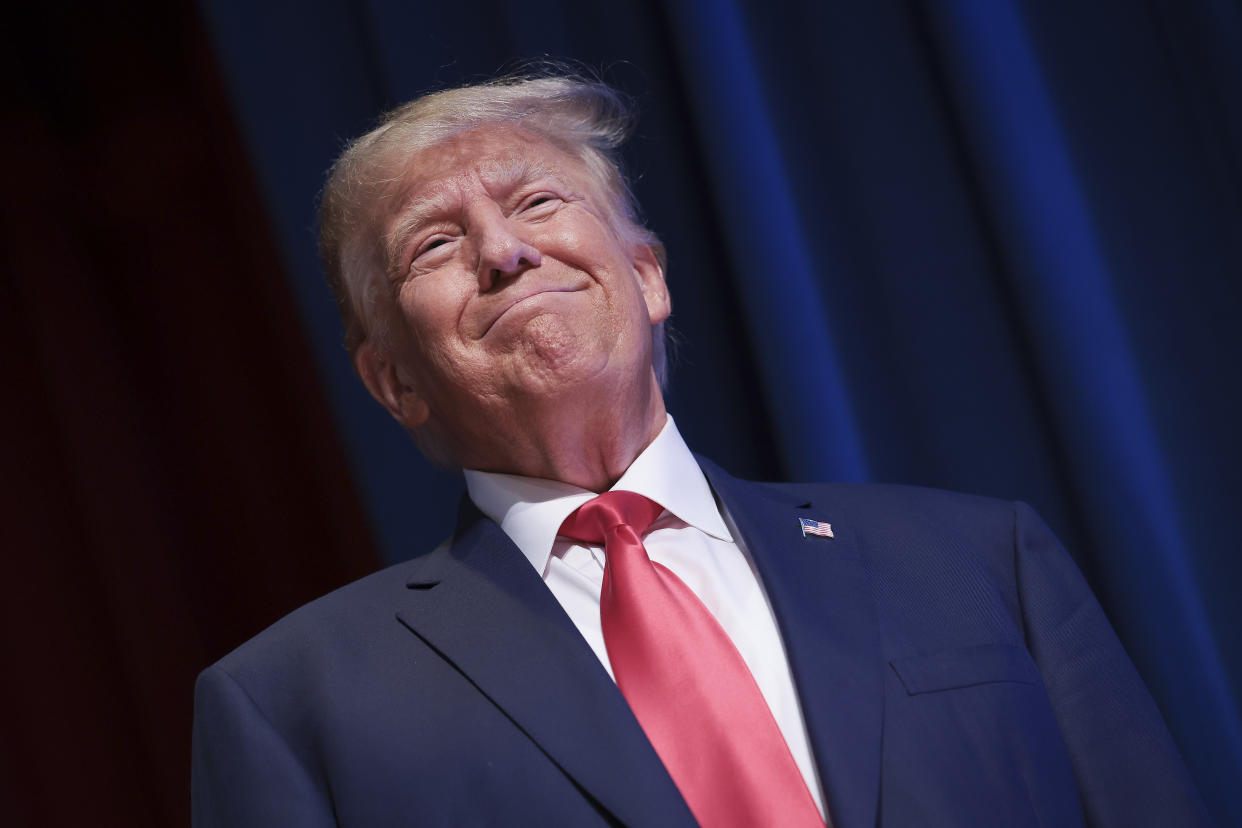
[{"x": 988, "y": 246}]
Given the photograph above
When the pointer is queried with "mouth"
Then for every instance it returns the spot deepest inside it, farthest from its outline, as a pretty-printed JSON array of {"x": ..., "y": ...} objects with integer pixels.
[{"x": 524, "y": 299}]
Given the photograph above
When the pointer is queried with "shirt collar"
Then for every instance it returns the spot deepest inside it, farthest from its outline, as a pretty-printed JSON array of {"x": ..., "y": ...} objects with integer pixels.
[{"x": 531, "y": 510}]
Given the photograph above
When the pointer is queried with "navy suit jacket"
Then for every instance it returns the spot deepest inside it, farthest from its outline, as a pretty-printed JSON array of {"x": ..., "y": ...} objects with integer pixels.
[{"x": 952, "y": 665}]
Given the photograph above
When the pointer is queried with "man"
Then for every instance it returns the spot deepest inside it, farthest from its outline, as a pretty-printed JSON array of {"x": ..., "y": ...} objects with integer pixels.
[{"x": 686, "y": 646}]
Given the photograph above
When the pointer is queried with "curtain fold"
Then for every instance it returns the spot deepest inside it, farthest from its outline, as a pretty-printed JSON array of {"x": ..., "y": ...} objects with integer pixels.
[{"x": 776, "y": 276}]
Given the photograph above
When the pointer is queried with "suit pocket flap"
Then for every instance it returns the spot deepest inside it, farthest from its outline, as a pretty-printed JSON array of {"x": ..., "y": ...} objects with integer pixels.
[{"x": 983, "y": 664}]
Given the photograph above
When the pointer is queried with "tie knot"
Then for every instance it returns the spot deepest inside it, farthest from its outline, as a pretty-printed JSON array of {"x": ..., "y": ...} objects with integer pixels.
[{"x": 591, "y": 521}]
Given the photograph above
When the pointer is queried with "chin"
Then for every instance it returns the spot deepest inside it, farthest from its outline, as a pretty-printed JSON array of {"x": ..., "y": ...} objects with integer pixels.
[
  {"x": 567, "y": 373},
  {"x": 552, "y": 357}
]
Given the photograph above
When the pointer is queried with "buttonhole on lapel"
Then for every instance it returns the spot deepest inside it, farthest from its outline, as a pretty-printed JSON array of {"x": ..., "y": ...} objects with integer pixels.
[{"x": 422, "y": 584}]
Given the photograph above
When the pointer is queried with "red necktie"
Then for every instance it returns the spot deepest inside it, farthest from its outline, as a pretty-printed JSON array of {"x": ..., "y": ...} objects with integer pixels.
[{"x": 685, "y": 681}]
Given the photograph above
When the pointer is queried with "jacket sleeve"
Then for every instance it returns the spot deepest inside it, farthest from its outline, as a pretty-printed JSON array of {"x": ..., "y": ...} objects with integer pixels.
[
  {"x": 244, "y": 773},
  {"x": 1128, "y": 769}
]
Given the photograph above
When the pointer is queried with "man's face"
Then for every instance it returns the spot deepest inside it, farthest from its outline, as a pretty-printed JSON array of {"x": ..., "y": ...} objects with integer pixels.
[{"x": 510, "y": 286}]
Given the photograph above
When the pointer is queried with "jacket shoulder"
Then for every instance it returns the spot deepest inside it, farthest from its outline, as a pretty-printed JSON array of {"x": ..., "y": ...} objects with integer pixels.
[
  {"x": 349, "y": 616},
  {"x": 894, "y": 501}
]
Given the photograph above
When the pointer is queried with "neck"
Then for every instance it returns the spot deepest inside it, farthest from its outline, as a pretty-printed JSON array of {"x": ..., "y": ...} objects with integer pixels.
[{"x": 573, "y": 439}]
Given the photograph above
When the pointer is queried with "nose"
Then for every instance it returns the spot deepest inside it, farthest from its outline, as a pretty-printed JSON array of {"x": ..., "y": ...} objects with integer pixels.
[{"x": 504, "y": 252}]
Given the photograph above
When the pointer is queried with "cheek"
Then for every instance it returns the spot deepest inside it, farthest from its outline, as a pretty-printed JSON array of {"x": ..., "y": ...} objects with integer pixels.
[
  {"x": 583, "y": 238},
  {"x": 429, "y": 312}
]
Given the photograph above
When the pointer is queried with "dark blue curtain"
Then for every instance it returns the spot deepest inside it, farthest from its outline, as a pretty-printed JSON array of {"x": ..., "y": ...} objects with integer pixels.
[{"x": 988, "y": 246}]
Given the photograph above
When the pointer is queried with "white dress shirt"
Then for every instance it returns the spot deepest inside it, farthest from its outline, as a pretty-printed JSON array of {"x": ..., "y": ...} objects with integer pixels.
[{"x": 691, "y": 538}]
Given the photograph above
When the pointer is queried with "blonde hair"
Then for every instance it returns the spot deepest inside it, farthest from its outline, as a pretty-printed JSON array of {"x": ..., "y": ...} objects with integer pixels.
[{"x": 587, "y": 119}]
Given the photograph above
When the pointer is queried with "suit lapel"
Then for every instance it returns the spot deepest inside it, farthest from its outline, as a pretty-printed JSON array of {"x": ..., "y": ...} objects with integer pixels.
[
  {"x": 484, "y": 609},
  {"x": 821, "y": 595}
]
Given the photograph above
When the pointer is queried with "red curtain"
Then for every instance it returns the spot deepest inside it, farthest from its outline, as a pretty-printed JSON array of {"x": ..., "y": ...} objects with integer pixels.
[{"x": 172, "y": 480}]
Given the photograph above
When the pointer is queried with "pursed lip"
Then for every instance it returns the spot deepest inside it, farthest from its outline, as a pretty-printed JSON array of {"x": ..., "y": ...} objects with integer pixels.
[{"x": 519, "y": 299}]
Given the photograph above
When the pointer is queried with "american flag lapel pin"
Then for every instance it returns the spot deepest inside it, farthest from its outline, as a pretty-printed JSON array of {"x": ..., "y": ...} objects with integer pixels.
[{"x": 814, "y": 527}]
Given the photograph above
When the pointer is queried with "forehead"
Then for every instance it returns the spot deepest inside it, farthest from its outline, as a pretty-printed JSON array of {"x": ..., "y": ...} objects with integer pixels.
[{"x": 495, "y": 156}]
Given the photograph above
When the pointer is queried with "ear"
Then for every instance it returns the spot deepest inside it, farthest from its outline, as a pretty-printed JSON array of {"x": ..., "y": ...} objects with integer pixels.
[
  {"x": 651, "y": 282},
  {"x": 390, "y": 385}
]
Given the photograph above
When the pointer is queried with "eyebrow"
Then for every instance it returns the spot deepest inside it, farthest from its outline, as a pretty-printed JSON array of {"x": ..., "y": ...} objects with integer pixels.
[
  {"x": 411, "y": 217},
  {"x": 502, "y": 176}
]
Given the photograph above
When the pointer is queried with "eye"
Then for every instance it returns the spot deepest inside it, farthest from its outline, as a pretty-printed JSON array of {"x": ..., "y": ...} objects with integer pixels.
[
  {"x": 430, "y": 245},
  {"x": 539, "y": 205}
]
